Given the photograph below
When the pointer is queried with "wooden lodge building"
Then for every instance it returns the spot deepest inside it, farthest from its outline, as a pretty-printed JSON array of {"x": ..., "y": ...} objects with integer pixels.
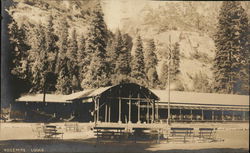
[{"x": 131, "y": 103}]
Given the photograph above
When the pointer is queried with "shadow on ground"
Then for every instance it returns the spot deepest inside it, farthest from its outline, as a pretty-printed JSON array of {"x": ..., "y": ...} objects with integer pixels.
[{"x": 90, "y": 145}]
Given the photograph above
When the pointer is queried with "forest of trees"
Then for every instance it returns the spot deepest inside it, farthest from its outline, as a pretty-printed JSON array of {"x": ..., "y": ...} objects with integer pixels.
[{"x": 65, "y": 62}]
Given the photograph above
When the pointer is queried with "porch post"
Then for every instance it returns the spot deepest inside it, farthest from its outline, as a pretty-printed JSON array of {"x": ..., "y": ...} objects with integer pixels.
[
  {"x": 95, "y": 110},
  {"x": 139, "y": 109},
  {"x": 180, "y": 115},
  {"x": 212, "y": 115},
  {"x": 106, "y": 112},
  {"x": 222, "y": 115},
  {"x": 157, "y": 111},
  {"x": 153, "y": 111},
  {"x": 233, "y": 117},
  {"x": 191, "y": 112},
  {"x": 244, "y": 116},
  {"x": 147, "y": 112},
  {"x": 202, "y": 114},
  {"x": 97, "y": 118},
  {"x": 129, "y": 116},
  {"x": 109, "y": 107},
  {"x": 120, "y": 110}
]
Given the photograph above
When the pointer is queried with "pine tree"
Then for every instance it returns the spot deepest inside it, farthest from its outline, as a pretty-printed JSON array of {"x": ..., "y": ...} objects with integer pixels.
[
  {"x": 123, "y": 61},
  {"x": 138, "y": 66},
  {"x": 39, "y": 59},
  {"x": 51, "y": 40},
  {"x": 62, "y": 43},
  {"x": 96, "y": 72},
  {"x": 81, "y": 54},
  {"x": 19, "y": 64},
  {"x": 52, "y": 51},
  {"x": 231, "y": 63},
  {"x": 63, "y": 65},
  {"x": 73, "y": 66},
  {"x": 19, "y": 48},
  {"x": 64, "y": 85},
  {"x": 151, "y": 63}
]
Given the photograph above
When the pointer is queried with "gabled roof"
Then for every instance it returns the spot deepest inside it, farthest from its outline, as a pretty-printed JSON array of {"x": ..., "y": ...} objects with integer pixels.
[
  {"x": 86, "y": 95},
  {"x": 202, "y": 98}
]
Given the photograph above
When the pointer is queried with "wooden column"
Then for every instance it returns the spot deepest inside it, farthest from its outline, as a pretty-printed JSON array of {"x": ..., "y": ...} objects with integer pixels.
[
  {"x": 106, "y": 112},
  {"x": 97, "y": 115},
  {"x": 95, "y": 109},
  {"x": 233, "y": 116},
  {"x": 191, "y": 112},
  {"x": 180, "y": 115},
  {"x": 147, "y": 112},
  {"x": 222, "y": 115},
  {"x": 139, "y": 109},
  {"x": 120, "y": 110},
  {"x": 212, "y": 115},
  {"x": 153, "y": 111},
  {"x": 129, "y": 117},
  {"x": 109, "y": 107},
  {"x": 244, "y": 116},
  {"x": 202, "y": 114},
  {"x": 157, "y": 111}
]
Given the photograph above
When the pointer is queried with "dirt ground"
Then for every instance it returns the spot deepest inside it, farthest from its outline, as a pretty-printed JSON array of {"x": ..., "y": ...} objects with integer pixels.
[{"x": 22, "y": 137}]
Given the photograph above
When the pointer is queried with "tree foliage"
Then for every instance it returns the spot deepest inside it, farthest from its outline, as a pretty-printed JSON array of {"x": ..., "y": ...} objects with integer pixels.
[
  {"x": 96, "y": 42},
  {"x": 231, "y": 63},
  {"x": 38, "y": 59},
  {"x": 138, "y": 65},
  {"x": 151, "y": 62}
]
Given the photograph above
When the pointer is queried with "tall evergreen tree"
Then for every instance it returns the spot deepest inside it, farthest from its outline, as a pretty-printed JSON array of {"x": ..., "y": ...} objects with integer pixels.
[
  {"x": 151, "y": 63},
  {"x": 81, "y": 54},
  {"x": 231, "y": 64},
  {"x": 123, "y": 61},
  {"x": 116, "y": 52},
  {"x": 73, "y": 65},
  {"x": 63, "y": 62},
  {"x": 124, "y": 57},
  {"x": 19, "y": 48},
  {"x": 64, "y": 85},
  {"x": 51, "y": 45},
  {"x": 96, "y": 72},
  {"x": 138, "y": 66},
  {"x": 62, "y": 43},
  {"x": 39, "y": 59},
  {"x": 52, "y": 51},
  {"x": 19, "y": 65}
]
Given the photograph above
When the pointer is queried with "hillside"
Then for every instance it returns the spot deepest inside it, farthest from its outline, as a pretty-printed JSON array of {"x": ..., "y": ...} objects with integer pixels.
[{"x": 192, "y": 24}]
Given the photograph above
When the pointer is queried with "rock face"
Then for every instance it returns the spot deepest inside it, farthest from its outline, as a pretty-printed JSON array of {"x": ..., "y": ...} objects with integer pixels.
[{"x": 191, "y": 25}]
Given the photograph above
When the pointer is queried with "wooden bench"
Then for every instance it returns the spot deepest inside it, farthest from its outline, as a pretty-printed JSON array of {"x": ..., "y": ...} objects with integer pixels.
[
  {"x": 51, "y": 132},
  {"x": 181, "y": 134},
  {"x": 152, "y": 134},
  {"x": 109, "y": 133},
  {"x": 207, "y": 133}
]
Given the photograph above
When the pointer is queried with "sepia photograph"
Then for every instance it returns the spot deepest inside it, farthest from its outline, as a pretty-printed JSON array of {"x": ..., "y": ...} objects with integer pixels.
[{"x": 124, "y": 76}]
